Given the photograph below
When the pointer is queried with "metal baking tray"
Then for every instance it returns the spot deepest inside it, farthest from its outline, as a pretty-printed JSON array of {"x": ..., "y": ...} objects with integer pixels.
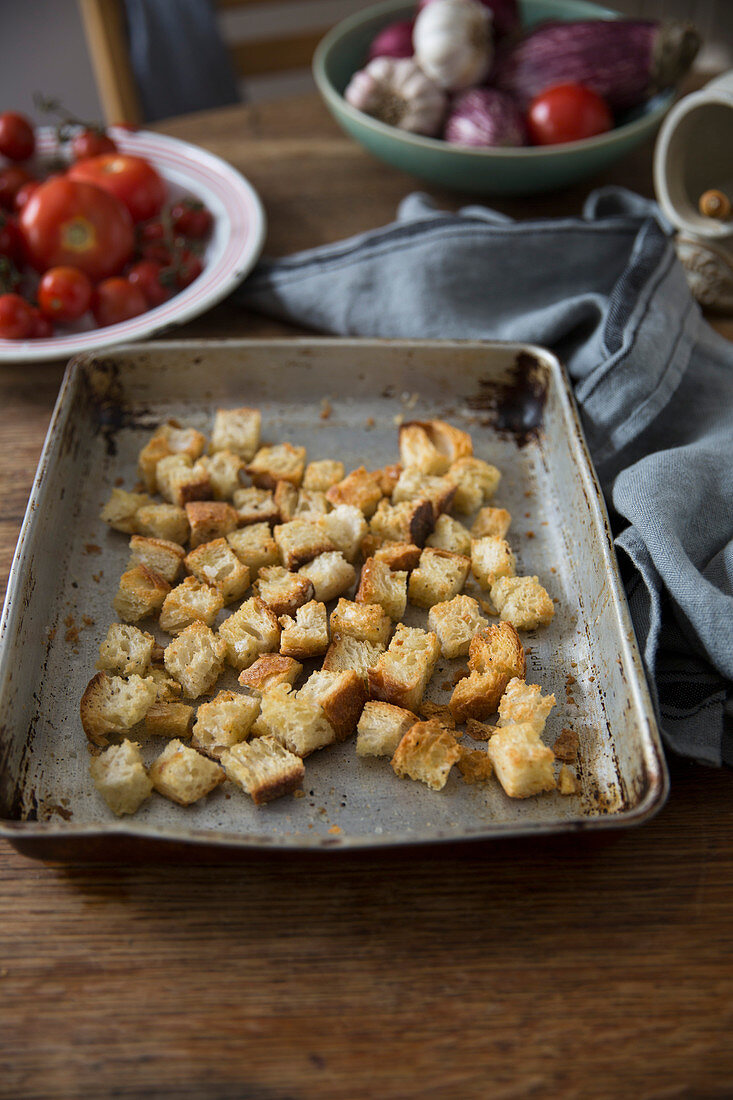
[{"x": 342, "y": 399}]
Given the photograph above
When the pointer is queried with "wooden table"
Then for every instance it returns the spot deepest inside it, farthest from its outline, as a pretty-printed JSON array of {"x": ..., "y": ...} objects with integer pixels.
[{"x": 580, "y": 969}]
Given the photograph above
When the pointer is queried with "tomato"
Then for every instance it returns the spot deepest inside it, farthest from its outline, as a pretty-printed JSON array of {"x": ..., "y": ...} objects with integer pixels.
[
  {"x": 24, "y": 193},
  {"x": 92, "y": 143},
  {"x": 42, "y": 327},
  {"x": 159, "y": 252},
  {"x": 191, "y": 219},
  {"x": 567, "y": 112},
  {"x": 187, "y": 268},
  {"x": 17, "y": 140},
  {"x": 11, "y": 181},
  {"x": 130, "y": 179},
  {"x": 152, "y": 231},
  {"x": 17, "y": 317},
  {"x": 117, "y": 300},
  {"x": 64, "y": 294},
  {"x": 146, "y": 275},
  {"x": 67, "y": 223},
  {"x": 11, "y": 242}
]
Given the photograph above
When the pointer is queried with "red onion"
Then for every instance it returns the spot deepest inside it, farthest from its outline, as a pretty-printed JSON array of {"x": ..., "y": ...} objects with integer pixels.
[
  {"x": 505, "y": 15},
  {"x": 485, "y": 118},
  {"x": 394, "y": 40}
]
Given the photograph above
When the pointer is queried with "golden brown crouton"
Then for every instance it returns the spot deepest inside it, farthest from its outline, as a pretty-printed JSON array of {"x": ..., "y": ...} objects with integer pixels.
[
  {"x": 283, "y": 592},
  {"x": 113, "y": 705},
  {"x": 342, "y": 696},
  {"x": 300, "y": 541},
  {"x": 250, "y": 632},
  {"x": 120, "y": 777},
  {"x": 215, "y": 563},
  {"x": 269, "y": 670},
  {"x": 320, "y": 476},
  {"x": 414, "y": 485},
  {"x": 286, "y": 500},
  {"x": 210, "y": 519},
  {"x": 298, "y": 723},
  {"x": 120, "y": 511},
  {"x": 525, "y": 704},
  {"x": 477, "y": 695},
  {"x": 312, "y": 504},
  {"x": 566, "y": 746},
  {"x": 360, "y": 489},
  {"x": 256, "y": 506},
  {"x": 426, "y": 753},
  {"x": 163, "y": 521},
  {"x": 283, "y": 462},
  {"x": 158, "y": 555},
  {"x": 331, "y": 575},
  {"x": 418, "y": 450},
  {"x": 223, "y": 722},
  {"x": 401, "y": 674},
  {"x": 307, "y": 634},
  {"x": 451, "y": 535},
  {"x": 408, "y": 521},
  {"x": 237, "y": 430},
  {"x": 455, "y": 622},
  {"x": 399, "y": 556},
  {"x": 223, "y": 469},
  {"x": 345, "y": 526},
  {"x": 263, "y": 768},
  {"x": 439, "y": 576},
  {"x": 345, "y": 652},
  {"x": 140, "y": 594},
  {"x": 387, "y": 477},
  {"x": 184, "y": 775},
  {"x": 195, "y": 659},
  {"x": 169, "y": 439},
  {"x": 381, "y": 728},
  {"x": 190, "y": 602},
  {"x": 365, "y": 622},
  {"x": 475, "y": 766},
  {"x": 169, "y": 719},
  {"x": 179, "y": 480},
  {"x": 126, "y": 651},
  {"x": 523, "y": 602},
  {"x": 491, "y": 558},
  {"x": 255, "y": 547},
  {"x": 497, "y": 647},
  {"x": 379, "y": 584},
  {"x": 475, "y": 481},
  {"x": 523, "y": 765},
  {"x": 567, "y": 781},
  {"x": 491, "y": 521}
]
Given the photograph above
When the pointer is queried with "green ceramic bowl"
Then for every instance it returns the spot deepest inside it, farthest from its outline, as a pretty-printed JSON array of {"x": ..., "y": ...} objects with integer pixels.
[{"x": 520, "y": 171}]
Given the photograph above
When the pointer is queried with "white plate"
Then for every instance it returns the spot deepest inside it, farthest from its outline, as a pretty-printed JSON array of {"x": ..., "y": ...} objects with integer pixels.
[{"x": 231, "y": 253}]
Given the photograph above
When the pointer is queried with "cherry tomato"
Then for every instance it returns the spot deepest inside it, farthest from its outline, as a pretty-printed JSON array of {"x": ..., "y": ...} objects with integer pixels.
[
  {"x": 159, "y": 252},
  {"x": 146, "y": 275},
  {"x": 11, "y": 181},
  {"x": 42, "y": 327},
  {"x": 24, "y": 193},
  {"x": 567, "y": 112},
  {"x": 11, "y": 242},
  {"x": 67, "y": 223},
  {"x": 151, "y": 231},
  {"x": 191, "y": 219},
  {"x": 117, "y": 300},
  {"x": 130, "y": 179},
  {"x": 91, "y": 143},
  {"x": 187, "y": 268},
  {"x": 64, "y": 294},
  {"x": 17, "y": 140},
  {"x": 17, "y": 317}
]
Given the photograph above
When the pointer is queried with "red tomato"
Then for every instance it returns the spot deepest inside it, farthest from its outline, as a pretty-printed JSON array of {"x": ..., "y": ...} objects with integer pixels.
[
  {"x": 67, "y": 223},
  {"x": 151, "y": 231},
  {"x": 567, "y": 112},
  {"x": 24, "y": 193},
  {"x": 130, "y": 179},
  {"x": 11, "y": 242},
  {"x": 117, "y": 300},
  {"x": 17, "y": 140},
  {"x": 191, "y": 219},
  {"x": 42, "y": 327},
  {"x": 17, "y": 317},
  {"x": 11, "y": 181},
  {"x": 64, "y": 293},
  {"x": 187, "y": 268},
  {"x": 146, "y": 275},
  {"x": 91, "y": 143}
]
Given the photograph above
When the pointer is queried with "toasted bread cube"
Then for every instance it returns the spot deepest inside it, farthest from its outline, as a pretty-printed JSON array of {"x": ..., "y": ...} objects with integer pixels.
[
  {"x": 567, "y": 746},
  {"x": 418, "y": 450},
  {"x": 439, "y": 711},
  {"x": 179, "y": 480},
  {"x": 311, "y": 503},
  {"x": 149, "y": 457},
  {"x": 379, "y": 584},
  {"x": 498, "y": 647},
  {"x": 169, "y": 719},
  {"x": 477, "y": 695},
  {"x": 475, "y": 481},
  {"x": 475, "y": 766},
  {"x": 320, "y": 476},
  {"x": 184, "y": 775},
  {"x": 223, "y": 469},
  {"x": 120, "y": 511},
  {"x": 283, "y": 592},
  {"x": 439, "y": 577},
  {"x": 255, "y": 547},
  {"x": 158, "y": 555},
  {"x": 237, "y": 430},
  {"x": 450, "y": 441},
  {"x": 268, "y": 671},
  {"x": 223, "y": 722},
  {"x": 342, "y": 696},
  {"x": 250, "y": 632},
  {"x": 455, "y": 622},
  {"x": 426, "y": 754},
  {"x": 126, "y": 651},
  {"x": 120, "y": 777},
  {"x": 196, "y": 659},
  {"x": 345, "y": 527},
  {"x": 307, "y": 634},
  {"x": 286, "y": 500},
  {"x": 344, "y": 653},
  {"x": 301, "y": 541},
  {"x": 297, "y": 723},
  {"x": 283, "y": 462},
  {"x": 163, "y": 521},
  {"x": 210, "y": 519},
  {"x": 190, "y": 602},
  {"x": 140, "y": 594},
  {"x": 491, "y": 558},
  {"x": 330, "y": 574},
  {"x": 451, "y": 535},
  {"x": 523, "y": 765},
  {"x": 256, "y": 506},
  {"x": 365, "y": 622},
  {"x": 567, "y": 781},
  {"x": 524, "y": 704},
  {"x": 387, "y": 477},
  {"x": 401, "y": 675},
  {"x": 169, "y": 439},
  {"x": 414, "y": 485},
  {"x": 263, "y": 768},
  {"x": 381, "y": 728},
  {"x": 360, "y": 489},
  {"x": 523, "y": 602},
  {"x": 408, "y": 521},
  {"x": 399, "y": 556},
  {"x": 215, "y": 563},
  {"x": 491, "y": 521},
  {"x": 167, "y": 690},
  {"x": 113, "y": 705}
]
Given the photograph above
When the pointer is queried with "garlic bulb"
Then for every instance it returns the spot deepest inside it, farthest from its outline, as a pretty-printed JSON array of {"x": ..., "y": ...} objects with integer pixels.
[
  {"x": 397, "y": 91},
  {"x": 453, "y": 42}
]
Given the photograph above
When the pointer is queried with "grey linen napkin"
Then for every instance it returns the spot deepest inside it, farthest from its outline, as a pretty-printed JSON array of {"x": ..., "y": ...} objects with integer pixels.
[{"x": 653, "y": 381}]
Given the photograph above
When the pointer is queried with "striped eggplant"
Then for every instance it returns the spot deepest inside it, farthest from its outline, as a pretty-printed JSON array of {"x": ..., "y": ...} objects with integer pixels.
[
  {"x": 485, "y": 118},
  {"x": 623, "y": 60}
]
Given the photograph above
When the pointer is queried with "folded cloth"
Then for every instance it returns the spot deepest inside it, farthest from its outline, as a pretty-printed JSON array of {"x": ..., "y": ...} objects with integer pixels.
[{"x": 653, "y": 381}]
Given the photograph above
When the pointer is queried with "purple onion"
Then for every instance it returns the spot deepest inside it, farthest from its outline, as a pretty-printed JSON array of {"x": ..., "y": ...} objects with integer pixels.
[
  {"x": 505, "y": 15},
  {"x": 485, "y": 118},
  {"x": 394, "y": 40}
]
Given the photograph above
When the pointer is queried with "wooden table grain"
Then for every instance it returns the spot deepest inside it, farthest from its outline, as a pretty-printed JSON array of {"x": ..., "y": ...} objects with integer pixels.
[{"x": 566, "y": 967}]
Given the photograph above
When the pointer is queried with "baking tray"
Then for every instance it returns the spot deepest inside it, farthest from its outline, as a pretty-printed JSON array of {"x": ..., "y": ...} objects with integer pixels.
[{"x": 342, "y": 399}]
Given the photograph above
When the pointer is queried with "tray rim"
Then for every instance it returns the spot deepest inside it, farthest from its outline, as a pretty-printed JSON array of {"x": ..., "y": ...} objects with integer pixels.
[{"x": 653, "y": 798}]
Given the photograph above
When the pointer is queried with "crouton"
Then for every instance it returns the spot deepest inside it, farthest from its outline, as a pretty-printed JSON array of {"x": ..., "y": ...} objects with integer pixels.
[
  {"x": 158, "y": 555},
  {"x": 475, "y": 481},
  {"x": 401, "y": 674},
  {"x": 479, "y": 731},
  {"x": 399, "y": 556},
  {"x": 523, "y": 602},
  {"x": 342, "y": 696},
  {"x": 414, "y": 485},
  {"x": 567, "y": 781},
  {"x": 183, "y": 775},
  {"x": 455, "y": 622},
  {"x": 491, "y": 558},
  {"x": 237, "y": 430},
  {"x": 283, "y": 592},
  {"x": 417, "y": 449},
  {"x": 169, "y": 719},
  {"x": 379, "y": 584},
  {"x": 179, "y": 480},
  {"x": 149, "y": 457},
  {"x": 567, "y": 746},
  {"x": 120, "y": 777},
  {"x": 381, "y": 728},
  {"x": 307, "y": 634},
  {"x": 283, "y": 462},
  {"x": 311, "y": 503},
  {"x": 451, "y": 442},
  {"x": 113, "y": 705},
  {"x": 523, "y": 765},
  {"x": 210, "y": 519},
  {"x": 223, "y": 722},
  {"x": 126, "y": 651},
  {"x": 344, "y": 653},
  {"x": 286, "y": 500},
  {"x": 255, "y": 547},
  {"x": 360, "y": 489},
  {"x": 345, "y": 526},
  {"x": 439, "y": 711},
  {"x": 320, "y": 476},
  {"x": 167, "y": 690},
  {"x": 120, "y": 511},
  {"x": 477, "y": 695},
  {"x": 491, "y": 521},
  {"x": 190, "y": 602},
  {"x": 408, "y": 521},
  {"x": 250, "y": 632},
  {"x": 439, "y": 576},
  {"x": 196, "y": 659},
  {"x": 300, "y": 541},
  {"x": 297, "y": 723},
  {"x": 263, "y": 768},
  {"x": 475, "y": 766},
  {"x": 387, "y": 477},
  {"x": 215, "y": 563},
  {"x": 169, "y": 439},
  {"x": 269, "y": 670},
  {"x": 140, "y": 594},
  {"x": 497, "y": 647},
  {"x": 223, "y": 469},
  {"x": 365, "y": 622},
  {"x": 163, "y": 521},
  {"x": 256, "y": 506},
  {"x": 524, "y": 704},
  {"x": 451, "y": 535},
  {"x": 426, "y": 754},
  {"x": 330, "y": 574}
]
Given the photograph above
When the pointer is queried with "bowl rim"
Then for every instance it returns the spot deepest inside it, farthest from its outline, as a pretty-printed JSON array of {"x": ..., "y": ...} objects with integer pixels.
[{"x": 526, "y": 152}]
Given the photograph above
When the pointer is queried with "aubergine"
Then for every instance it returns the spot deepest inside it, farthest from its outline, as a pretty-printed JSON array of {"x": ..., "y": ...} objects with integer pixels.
[{"x": 623, "y": 60}]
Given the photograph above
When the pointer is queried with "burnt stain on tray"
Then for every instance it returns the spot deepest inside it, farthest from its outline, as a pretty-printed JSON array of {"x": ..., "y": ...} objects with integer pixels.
[
  {"x": 106, "y": 395},
  {"x": 515, "y": 406}
]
